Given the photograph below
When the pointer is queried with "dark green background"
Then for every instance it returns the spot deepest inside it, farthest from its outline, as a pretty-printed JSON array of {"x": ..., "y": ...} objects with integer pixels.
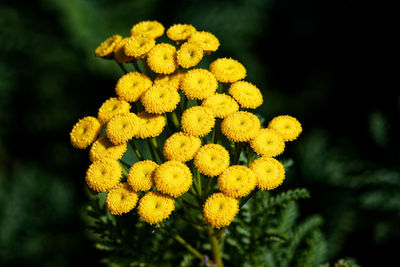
[{"x": 327, "y": 63}]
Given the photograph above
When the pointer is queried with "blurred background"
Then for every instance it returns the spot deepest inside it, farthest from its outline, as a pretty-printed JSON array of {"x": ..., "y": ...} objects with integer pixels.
[{"x": 329, "y": 64}]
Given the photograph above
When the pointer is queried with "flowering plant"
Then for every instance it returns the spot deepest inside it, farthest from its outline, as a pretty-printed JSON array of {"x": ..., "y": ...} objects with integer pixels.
[{"x": 176, "y": 137}]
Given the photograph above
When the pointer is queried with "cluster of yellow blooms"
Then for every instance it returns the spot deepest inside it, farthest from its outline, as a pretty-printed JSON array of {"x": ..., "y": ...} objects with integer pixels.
[{"x": 151, "y": 186}]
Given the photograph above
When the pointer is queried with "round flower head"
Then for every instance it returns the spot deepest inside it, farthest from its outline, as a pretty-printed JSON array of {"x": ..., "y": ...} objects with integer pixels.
[
  {"x": 140, "y": 176},
  {"x": 132, "y": 85},
  {"x": 268, "y": 143},
  {"x": 181, "y": 147},
  {"x": 228, "y": 70},
  {"x": 151, "y": 29},
  {"x": 189, "y": 55},
  {"x": 85, "y": 132},
  {"x": 221, "y": 105},
  {"x": 237, "y": 181},
  {"x": 173, "y": 178},
  {"x": 103, "y": 148},
  {"x": 152, "y": 125},
  {"x": 162, "y": 58},
  {"x": 212, "y": 159},
  {"x": 172, "y": 81},
  {"x": 138, "y": 46},
  {"x": 205, "y": 40},
  {"x": 112, "y": 107},
  {"x": 241, "y": 126},
  {"x": 121, "y": 199},
  {"x": 287, "y": 126},
  {"x": 180, "y": 32},
  {"x": 219, "y": 210},
  {"x": 198, "y": 84},
  {"x": 160, "y": 99},
  {"x": 197, "y": 121},
  {"x": 121, "y": 128},
  {"x": 106, "y": 48},
  {"x": 269, "y": 172},
  {"x": 103, "y": 174},
  {"x": 246, "y": 94},
  {"x": 155, "y": 207},
  {"x": 119, "y": 53}
]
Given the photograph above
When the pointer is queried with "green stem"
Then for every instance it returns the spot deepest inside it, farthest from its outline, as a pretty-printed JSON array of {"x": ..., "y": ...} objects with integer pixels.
[
  {"x": 215, "y": 248},
  {"x": 136, "y": 150},
  {"x": 152, "y": 151},
  {"x": 238, "y": 150},
  {"x": 248, "y": 197},
  {"x": 122, "y": 67},
  {"x": 123, "y": 169},
  {"x": 157, "y": 149},
  {"x": 147, "y": 70},
  {"x": 135, "y": 65},
  {"x": 175, "y": 119},
  {"x": 208, "y": 186}
]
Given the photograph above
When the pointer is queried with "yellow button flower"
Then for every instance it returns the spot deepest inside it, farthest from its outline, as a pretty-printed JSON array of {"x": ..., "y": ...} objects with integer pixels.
[
  {"x": 289, "y": 127},
  {"x": 151, "y": 29},
  {"x": 241, "y": 126},
  {"x": 197, "y": 121},
  {"x": 237, "y": 181},
  {"x": 219, "y": 210},
  {"x": 103, "y": 148},
  {"x": 132, "y": 85},
  {"x": 155, "y": 207},
  {"x": 138, "y": 46},
  {"x": 119, "y": 52},
  {"x": 180, "y": 32},
  {"x": 152, "y": 125},
  {"x": 121, "y": 199},
  {"x": 172, "y": 81},
  {"x": 112, "y": 107},
  {"x": 228, "y": 70},
  {"x": 246, "y": 94},
  {"x": 268, "y": 143},
  {"x": 103, "y": 174},
  {"x": 85, "y": 132},
  {"x": 221, "y": 105},
  {"x": 205, "y": 40},
  {"x": 173, "y": 178},
  {"x": 199, "y": 84},
  {"x": 121, "y": 128},
  {"x": 181, "y": 147},
  {"x": 162, "y": 58},
  {"x": 212, "y": 159},
  {"x": 106, "y": 48},
  {"x": 140, "y": 176},
  {"x": 160, "y": 99},
  {"x": 269, "y": 172},
  {"x": 189, "y": 55}
]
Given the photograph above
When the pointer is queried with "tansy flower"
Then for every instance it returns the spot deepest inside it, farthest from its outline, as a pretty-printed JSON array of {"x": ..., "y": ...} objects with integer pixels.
[
  {"x": 180, "y": 32},
  {"x": 162, "y": 58},
  {"x": 246, "y": 94},
  {"x": 228, "y": 70},
  {"x": 140, "y": 176},
  {"x": 106, "y": 48},
  {"x": 241, "y": 126},
  {"x": 287, "y": 126},
  {"x": 173, "y": 178},
  {"x": 198, "y": 84},
  {"x": 103, "y": 148},
  {"x": 268, "y": 143},
  {"x": 103, "y": 174},
  {"x": 236, "y": 181},
  {"x": 269, "y": 172},
  {"x": 160, "y": 99},
  {"x": 121, "y": 199},
  {"x": 151, "y": 29},
  {"x": 205, "y": 40},
  {"x": 219, "y": 210},
  {"x": 189, "y": 55},
  {"x": 85, "y": 132},
  {"x": 132, "y": 85},
  {"x": 152, "y": 125},
  {"x": 181, "y": 147},
  {"x": 112, "y": 107},
  {"x": 138, "y": 46},
  {"x": 197, "y": 121},
  {"x": 212, "y": 159},
  {"x": 172, "y": 81},
  {"x": 221, "y": 105},
  {"x": 155, "y": 207},
  {"x": 122, "y": 128},
  {"x": 119, "y": 53}
]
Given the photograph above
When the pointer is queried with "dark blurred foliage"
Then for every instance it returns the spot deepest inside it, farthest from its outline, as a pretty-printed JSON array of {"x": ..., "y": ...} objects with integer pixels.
[{"x": 330, "y": 64}]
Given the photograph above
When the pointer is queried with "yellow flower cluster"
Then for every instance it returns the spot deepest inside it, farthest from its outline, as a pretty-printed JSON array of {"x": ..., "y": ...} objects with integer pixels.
[{"x": 166, "y": 89}]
